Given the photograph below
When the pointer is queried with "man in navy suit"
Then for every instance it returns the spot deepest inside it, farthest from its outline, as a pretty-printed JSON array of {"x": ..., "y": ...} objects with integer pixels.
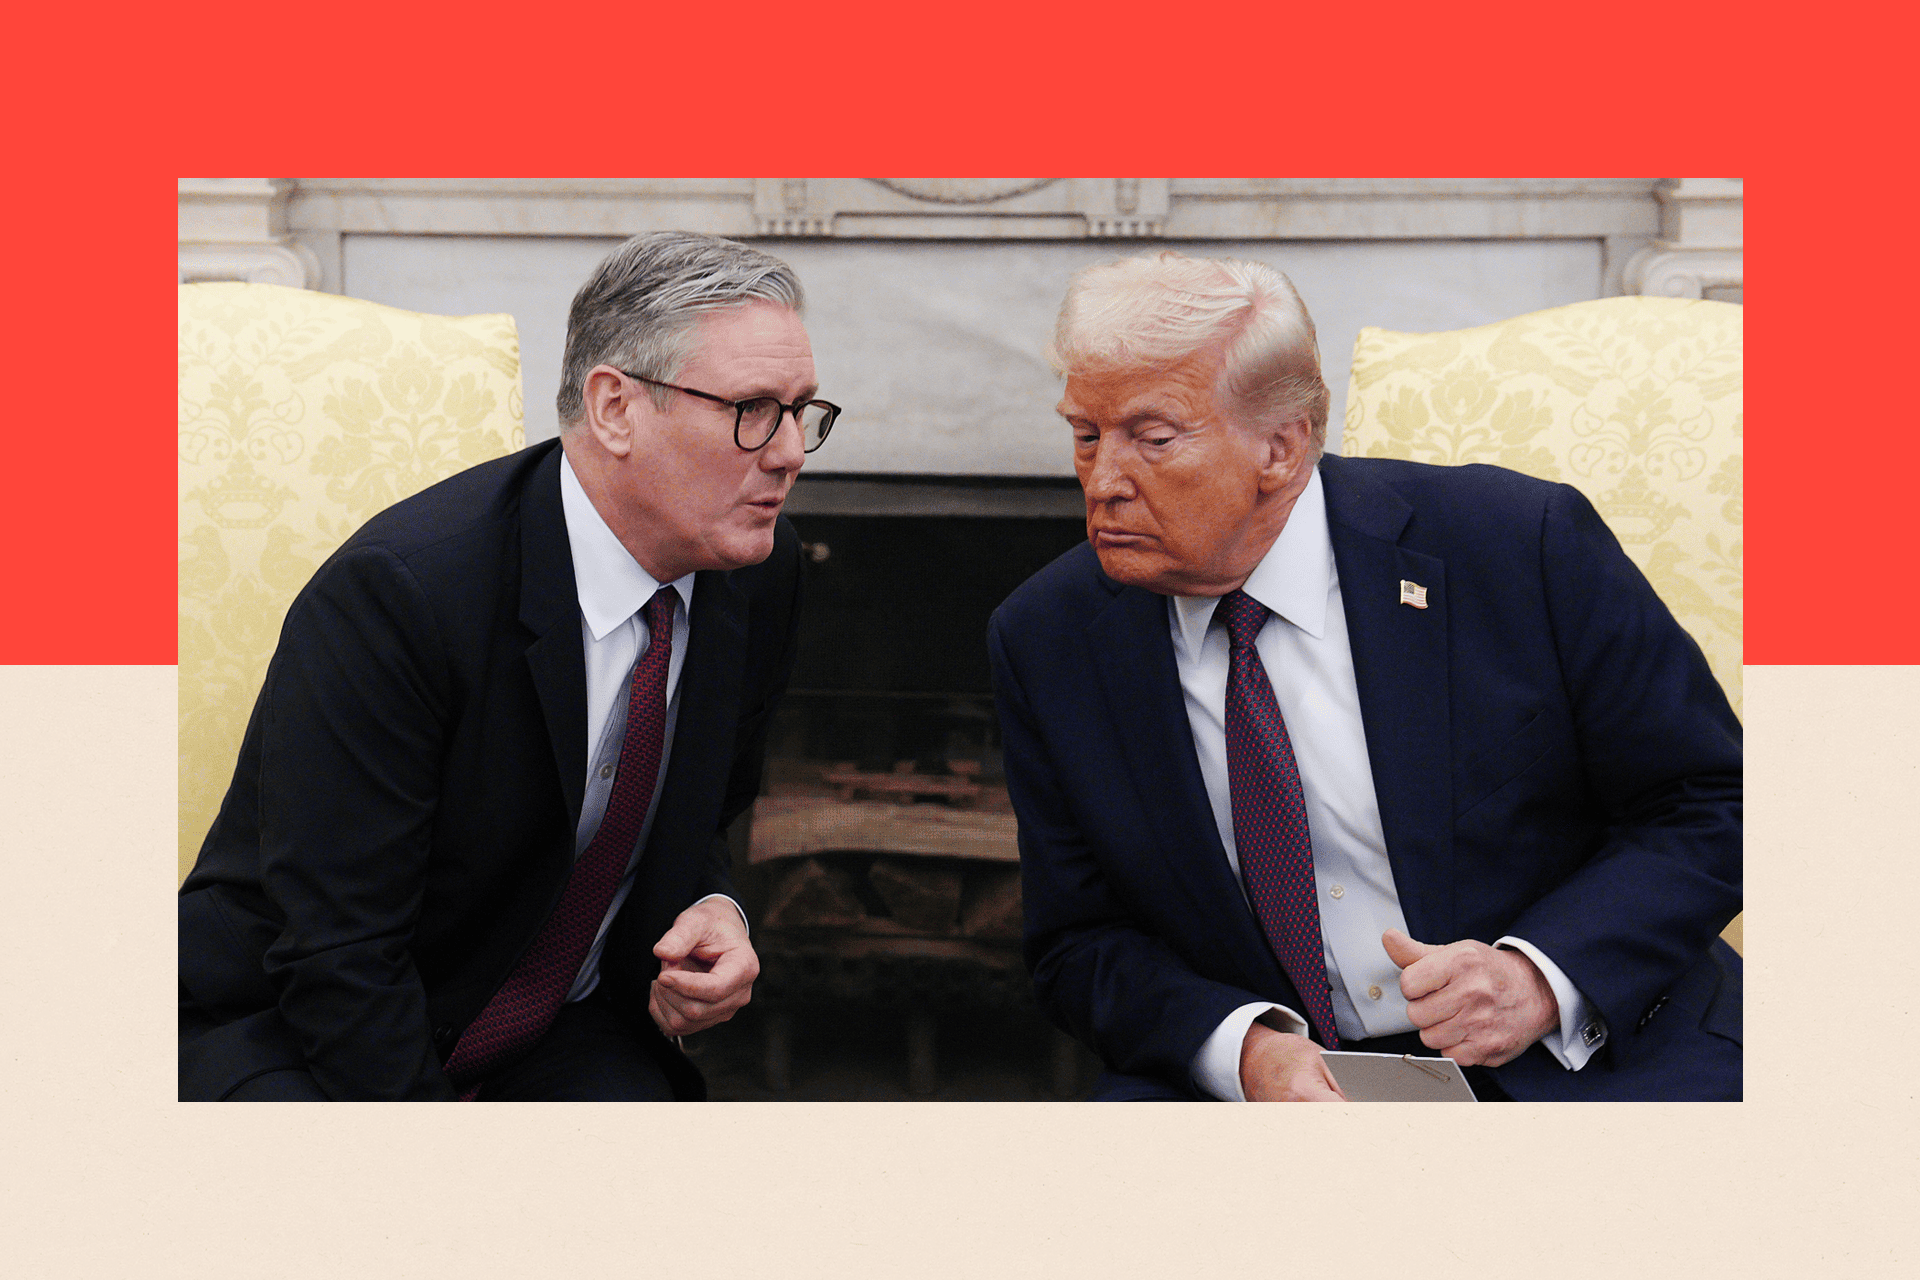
[
  {"x": 475, "y": 842},
  {"x": 1312, "y": 751}
]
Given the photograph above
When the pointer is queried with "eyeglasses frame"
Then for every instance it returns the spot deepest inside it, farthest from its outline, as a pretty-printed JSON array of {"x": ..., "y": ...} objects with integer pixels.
[{"x": 739, "y": 408}]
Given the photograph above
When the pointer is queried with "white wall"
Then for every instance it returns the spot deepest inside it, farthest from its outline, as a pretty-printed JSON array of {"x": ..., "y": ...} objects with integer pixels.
[{"x": 934, "y": 348}]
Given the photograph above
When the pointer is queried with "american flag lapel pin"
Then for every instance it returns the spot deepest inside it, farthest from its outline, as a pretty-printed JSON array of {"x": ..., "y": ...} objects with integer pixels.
[{"x": 1413, "y": 593}]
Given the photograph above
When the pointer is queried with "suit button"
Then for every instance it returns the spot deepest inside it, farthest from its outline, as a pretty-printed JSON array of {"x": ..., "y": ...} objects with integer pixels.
[{"x": 443, "y": 1035}]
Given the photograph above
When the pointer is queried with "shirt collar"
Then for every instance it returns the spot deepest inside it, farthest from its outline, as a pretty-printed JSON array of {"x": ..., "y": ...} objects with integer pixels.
[
  {"x": 612, "y": 585},
  {"x": 1291, "y": 579}
]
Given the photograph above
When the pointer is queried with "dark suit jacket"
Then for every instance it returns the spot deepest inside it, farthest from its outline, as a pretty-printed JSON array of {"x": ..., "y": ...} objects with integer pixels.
[
  {"x": 1552, "y": 759},
  {"x": 402, "y": 817}
]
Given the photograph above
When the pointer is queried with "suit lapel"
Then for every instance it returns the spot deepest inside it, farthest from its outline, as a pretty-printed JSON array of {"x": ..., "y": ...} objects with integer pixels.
[
  {"x": 1400, "y": 663},
  {"x": 550, "y": 608},
  {"x": 716, "y": 649},
  {"x": 1131, "y": 644}
]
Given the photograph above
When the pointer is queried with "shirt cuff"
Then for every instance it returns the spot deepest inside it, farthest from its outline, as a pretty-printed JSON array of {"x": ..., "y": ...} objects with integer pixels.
[
  {"x": 736, "y": 906},
  {"x": 1582, "y": 1030},
  {"x": 1216, "y": 1068}
]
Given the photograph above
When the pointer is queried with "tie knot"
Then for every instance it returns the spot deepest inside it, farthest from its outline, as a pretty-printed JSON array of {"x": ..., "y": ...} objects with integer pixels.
[
  {"x": 659, "y": 611},
  {"x": 1244, "y": 616}
]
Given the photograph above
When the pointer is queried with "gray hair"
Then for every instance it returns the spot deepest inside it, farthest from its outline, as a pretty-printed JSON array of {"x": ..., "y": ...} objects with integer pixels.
[
  {"x": 638, "y": 309},
  {"x": 1157, "y": 311}
]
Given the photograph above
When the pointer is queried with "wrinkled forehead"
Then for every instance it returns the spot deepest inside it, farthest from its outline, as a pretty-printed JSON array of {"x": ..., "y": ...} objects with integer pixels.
[
  {"x": 756, "y": 337},
  {"x": 1180, "y": 391},
  {"x": 753, "y": 322}
]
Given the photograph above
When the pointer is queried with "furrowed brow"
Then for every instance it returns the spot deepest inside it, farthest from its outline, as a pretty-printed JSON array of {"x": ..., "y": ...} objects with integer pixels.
[{"x": 1157, "y": 414}]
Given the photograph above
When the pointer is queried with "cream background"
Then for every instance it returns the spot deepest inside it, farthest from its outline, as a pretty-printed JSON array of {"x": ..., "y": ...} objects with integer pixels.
[{"x": 107, "y": 1176}]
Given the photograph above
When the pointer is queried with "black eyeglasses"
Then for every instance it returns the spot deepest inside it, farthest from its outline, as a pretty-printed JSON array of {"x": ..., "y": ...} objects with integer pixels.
[{"x": 755, "y": 420}]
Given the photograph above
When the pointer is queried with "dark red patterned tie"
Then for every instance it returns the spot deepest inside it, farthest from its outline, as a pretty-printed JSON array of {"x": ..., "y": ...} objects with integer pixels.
[
  {"x": 526, "y": 1004},
  {"x": 1270, "y": 816}
]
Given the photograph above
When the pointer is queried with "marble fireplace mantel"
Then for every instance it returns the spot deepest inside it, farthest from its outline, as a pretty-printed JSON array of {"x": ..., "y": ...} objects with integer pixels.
[{"x": 930, "y": 299}]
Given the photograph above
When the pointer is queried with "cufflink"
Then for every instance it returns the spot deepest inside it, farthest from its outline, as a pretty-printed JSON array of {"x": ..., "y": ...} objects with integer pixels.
[
  {"x": 1593, "y": 1033},
  {"x": 1413, "y": 593}
]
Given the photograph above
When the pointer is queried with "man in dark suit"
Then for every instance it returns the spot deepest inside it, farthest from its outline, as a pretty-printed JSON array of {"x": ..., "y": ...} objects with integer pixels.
[
  {"x": 474, "y": 845},
  {"x": 1322, "y": 751}
]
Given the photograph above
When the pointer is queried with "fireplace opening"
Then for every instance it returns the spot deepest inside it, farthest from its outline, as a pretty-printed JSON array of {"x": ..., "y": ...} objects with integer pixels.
[{"x": 880, "y": 865}]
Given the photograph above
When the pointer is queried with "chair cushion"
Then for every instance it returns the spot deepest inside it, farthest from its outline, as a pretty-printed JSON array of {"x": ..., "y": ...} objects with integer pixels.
[
  {"x": 301, "y": 415},
  {"x": 1634, "y": 401}
]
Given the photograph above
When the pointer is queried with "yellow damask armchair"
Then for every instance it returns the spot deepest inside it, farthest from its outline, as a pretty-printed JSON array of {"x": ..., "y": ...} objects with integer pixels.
[
  {"x": 301, "y": 415},
  {"x": 1636, "y": 402}
]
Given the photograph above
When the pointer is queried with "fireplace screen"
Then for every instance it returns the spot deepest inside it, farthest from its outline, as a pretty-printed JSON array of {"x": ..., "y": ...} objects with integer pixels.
[{"x": 880, "y": 862}]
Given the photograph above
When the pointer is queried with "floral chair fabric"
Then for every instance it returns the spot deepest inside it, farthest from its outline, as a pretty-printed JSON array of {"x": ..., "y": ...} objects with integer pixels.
[
  {"x": 301, "y": 415},
  {"x": 1636, "y": 402}
]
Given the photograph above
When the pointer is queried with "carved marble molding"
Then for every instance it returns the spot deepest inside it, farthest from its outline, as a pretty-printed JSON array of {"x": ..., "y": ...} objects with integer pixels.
[
  {"x": 1699, "y": 251},
  {"x": 1701, "y": 212},
  {"x": 1412, "y": 208},
  {"x": 961, "y": 208},
  {"x": 959, "y": 190},
  {"x": 321, "y": 210},
  {"x": 1667, "y": 270},
  {"x": 294, "y": 265},
  {"x": 236, "y": 229}
]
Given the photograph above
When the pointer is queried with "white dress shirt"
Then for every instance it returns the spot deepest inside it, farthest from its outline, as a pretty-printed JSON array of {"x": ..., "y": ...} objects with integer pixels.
[
  {"x": 1310, "y": 666},
  {"x": 613, "y": 589}
]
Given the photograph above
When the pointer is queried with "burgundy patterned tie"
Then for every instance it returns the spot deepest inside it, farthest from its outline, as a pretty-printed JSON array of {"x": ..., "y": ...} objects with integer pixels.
[
  {"x": 526, "y": 1004},
  {"x": 1270, "y": 816}
]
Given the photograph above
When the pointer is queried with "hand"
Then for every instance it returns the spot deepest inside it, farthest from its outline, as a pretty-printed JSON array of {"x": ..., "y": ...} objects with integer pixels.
[
  {"x": 1474, "y": 1003},
  {"x": 707, "y": 968},
  {"x": 1277, "y": 1067}
]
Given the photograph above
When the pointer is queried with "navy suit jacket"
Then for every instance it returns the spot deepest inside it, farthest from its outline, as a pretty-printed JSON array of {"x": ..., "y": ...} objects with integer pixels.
[
  {"x": 1552, "y": 758},
  {"x": 402, "y": 817}
]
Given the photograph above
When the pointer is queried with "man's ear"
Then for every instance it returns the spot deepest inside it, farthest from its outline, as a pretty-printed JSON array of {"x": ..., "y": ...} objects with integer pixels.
[
  {"x": 1287, "y": 459},
  {"x": 610, "y": 402}
]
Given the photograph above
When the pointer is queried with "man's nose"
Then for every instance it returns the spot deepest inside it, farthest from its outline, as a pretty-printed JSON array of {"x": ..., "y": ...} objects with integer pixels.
[
  {"x": 787, "y": 451},
  {"x": 1106, "y": 479}
]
